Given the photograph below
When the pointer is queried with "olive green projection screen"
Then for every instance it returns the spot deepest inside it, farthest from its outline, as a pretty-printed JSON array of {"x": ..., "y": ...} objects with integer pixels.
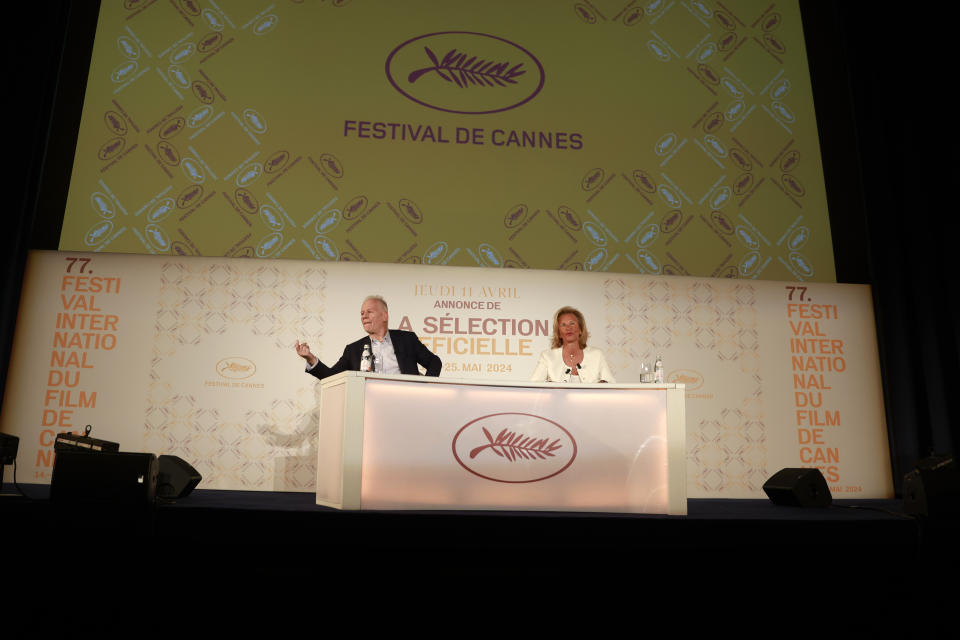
[{"x": 660, "y": 137}]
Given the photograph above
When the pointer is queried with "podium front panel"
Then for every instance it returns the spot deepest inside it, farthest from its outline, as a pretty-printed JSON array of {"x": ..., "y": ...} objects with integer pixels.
[
  {"x": 330, "y": 444},
  {"x": 430, "y": 444}
]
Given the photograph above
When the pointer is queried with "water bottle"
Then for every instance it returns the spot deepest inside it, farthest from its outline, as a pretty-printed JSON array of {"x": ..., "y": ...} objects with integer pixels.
[
  {"x": 365, "y": 359},
  {"x": 658, "y": 370}
]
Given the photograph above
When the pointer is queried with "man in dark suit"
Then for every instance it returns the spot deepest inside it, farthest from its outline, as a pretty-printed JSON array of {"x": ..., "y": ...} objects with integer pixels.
[{"x": 393, "y": 351}]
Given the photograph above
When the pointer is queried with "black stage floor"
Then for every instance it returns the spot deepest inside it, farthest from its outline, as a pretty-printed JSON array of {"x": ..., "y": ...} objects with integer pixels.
[{"x": 740, "y": 553}]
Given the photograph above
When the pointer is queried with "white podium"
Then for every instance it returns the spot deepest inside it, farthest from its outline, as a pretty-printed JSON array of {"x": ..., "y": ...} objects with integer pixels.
[{"x": 412, "y": 442}]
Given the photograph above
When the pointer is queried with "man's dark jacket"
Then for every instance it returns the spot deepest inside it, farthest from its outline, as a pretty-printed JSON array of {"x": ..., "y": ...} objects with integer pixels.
[{"x": 410, "y": 352}]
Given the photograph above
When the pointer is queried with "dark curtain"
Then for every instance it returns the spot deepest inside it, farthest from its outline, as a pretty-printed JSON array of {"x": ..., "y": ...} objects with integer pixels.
[
  {"x": 884, "y": 88},
  {"x": 33, "y": 51},
  {"x": 903, "y": 99}
]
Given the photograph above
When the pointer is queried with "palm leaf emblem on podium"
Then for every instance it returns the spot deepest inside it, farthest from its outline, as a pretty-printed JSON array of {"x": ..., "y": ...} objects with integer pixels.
[{"x": 515, "y": 446}]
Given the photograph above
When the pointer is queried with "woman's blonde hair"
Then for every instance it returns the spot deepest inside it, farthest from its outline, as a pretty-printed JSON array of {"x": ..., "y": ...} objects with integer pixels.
[{"x": 562, "y": 311}]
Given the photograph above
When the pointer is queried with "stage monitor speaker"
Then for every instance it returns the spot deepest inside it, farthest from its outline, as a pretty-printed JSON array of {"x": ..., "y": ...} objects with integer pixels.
[
  {"x": 798, "y": 488},
  {"x": 105, "y": 478},
  {"x": 933, "y": 488},
  {"x": 8, "y": 453},
  {"x": 8, "y": 448},
  {"x": 177, "y": 478}
]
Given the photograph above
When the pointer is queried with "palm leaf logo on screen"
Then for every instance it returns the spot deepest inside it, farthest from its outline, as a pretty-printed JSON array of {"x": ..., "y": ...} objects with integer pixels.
[{"x": 465, "y": 72}]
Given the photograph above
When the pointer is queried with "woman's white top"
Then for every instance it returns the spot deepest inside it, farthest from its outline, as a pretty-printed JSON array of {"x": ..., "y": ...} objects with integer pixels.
[{"x": 552, "y": 368}]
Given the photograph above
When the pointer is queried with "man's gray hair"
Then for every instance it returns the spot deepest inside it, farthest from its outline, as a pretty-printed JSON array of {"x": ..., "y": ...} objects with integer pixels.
[{"x": 378, "y": 299}]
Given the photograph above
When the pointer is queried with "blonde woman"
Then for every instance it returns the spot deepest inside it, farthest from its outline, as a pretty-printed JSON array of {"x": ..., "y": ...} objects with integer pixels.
[{"x": 570, "y": 359}]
